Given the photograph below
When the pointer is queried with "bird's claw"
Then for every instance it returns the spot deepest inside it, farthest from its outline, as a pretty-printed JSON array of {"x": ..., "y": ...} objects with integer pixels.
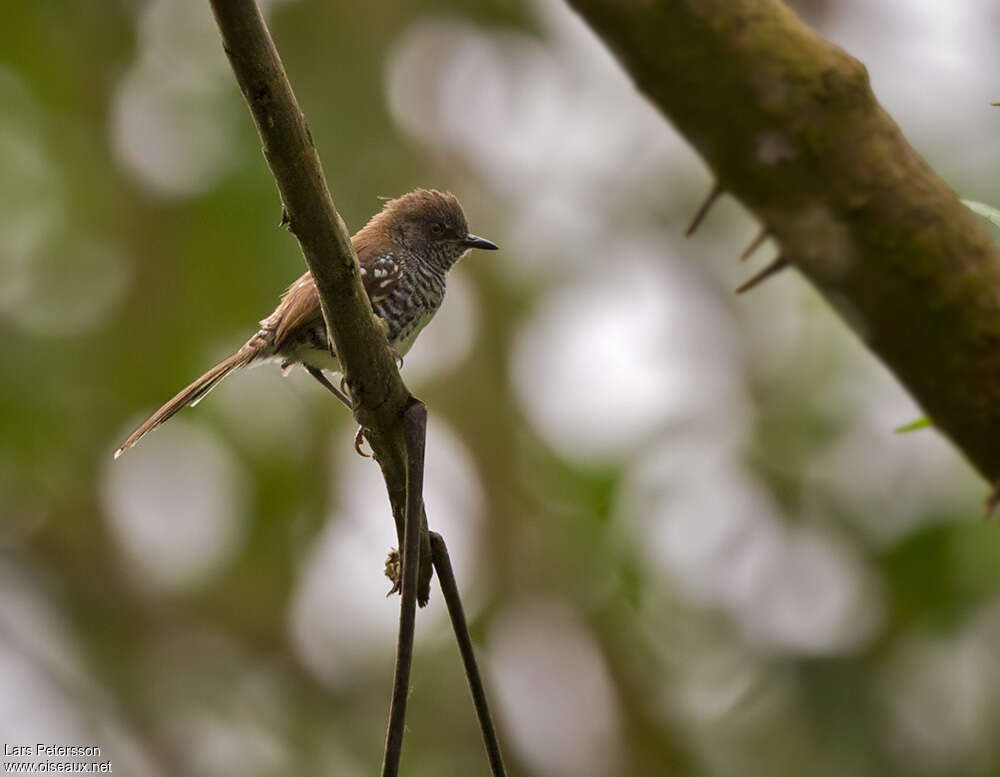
[{"x": 359, "y": 441}]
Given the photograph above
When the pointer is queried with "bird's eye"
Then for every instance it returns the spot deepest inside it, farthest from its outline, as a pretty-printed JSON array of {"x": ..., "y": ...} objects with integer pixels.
[{"x": 437, "y": 228}]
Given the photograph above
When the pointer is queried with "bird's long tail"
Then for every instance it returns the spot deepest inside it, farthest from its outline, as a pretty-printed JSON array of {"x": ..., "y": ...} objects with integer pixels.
[{"x": 194, "y": 393}]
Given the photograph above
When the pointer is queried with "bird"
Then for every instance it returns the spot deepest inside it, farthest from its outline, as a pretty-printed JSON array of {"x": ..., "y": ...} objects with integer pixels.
[{"x": 404, "y": 254}]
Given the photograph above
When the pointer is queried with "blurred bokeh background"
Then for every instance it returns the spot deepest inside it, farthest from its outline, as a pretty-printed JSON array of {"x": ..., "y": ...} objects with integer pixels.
[{"x": 688, "y": 538}]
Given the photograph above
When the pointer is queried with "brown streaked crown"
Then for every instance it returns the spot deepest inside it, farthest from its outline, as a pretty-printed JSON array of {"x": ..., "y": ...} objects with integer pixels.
[{"x": 409, "y": 218}]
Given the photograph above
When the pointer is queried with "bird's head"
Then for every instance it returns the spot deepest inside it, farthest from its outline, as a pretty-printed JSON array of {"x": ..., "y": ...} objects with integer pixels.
[{"x": 427, "y": 223}]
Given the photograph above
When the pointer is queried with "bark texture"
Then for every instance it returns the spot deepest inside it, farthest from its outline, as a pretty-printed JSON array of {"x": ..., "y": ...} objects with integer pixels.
[{"x": 788, "y": 124}]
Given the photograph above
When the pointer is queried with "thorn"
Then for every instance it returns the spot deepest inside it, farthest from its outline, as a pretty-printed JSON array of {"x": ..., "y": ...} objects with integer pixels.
[
  {"x": 703, "y": 209},
  {"x": 992, "y": 501},
  {"x": 285, "y": 220},
  {"x": 754, "y": 244},
  {"x": 776, "y": 266},
  {"x": 119, "y": 452}
]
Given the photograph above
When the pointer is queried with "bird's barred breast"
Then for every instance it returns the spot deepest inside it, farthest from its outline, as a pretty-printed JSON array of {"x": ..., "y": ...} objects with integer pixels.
[
  {"x": 313, "y": 351},
  {"x": 410, "y": 302}
]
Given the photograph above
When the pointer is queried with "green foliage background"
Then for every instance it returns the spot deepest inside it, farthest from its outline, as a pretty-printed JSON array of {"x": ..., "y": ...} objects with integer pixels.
[{"x": 204, "y": 678}]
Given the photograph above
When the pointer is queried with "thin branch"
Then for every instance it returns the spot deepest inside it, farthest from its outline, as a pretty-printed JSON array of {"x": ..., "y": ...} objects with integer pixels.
[
  {"x": 446, "y": 577},
  {"x": 393, "y": 421},
  {"x": 816, "y": 158},
  {"x": 415, "y": 428},
  {"x": 288, "y": 147},
  {"x": 378, "y": 394},
  {"x": 373, "y": 381}
]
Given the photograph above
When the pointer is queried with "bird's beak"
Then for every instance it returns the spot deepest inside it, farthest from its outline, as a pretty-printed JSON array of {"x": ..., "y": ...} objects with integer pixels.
[{"x": 474, "y": 241}]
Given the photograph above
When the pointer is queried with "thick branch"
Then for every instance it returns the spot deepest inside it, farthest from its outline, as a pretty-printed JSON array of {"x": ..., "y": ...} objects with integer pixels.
[{"x": 788, "y": 123}]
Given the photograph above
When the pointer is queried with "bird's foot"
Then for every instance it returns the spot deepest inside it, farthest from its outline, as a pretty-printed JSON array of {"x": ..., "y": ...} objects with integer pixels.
[{"x": 359, "y": 441}]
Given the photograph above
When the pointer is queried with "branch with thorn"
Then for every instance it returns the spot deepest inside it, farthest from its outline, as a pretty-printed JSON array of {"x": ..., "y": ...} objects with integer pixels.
[
  {"x": 848, "y": 202},
  {"x": 773, "y": 268}
]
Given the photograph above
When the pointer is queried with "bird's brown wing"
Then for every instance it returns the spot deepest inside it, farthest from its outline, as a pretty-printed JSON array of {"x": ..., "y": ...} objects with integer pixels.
[{"x": 299, "y": 307}]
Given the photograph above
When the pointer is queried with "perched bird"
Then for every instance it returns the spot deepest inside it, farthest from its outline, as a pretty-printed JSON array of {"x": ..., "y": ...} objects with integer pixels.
[{"x": 404, "y": 253}]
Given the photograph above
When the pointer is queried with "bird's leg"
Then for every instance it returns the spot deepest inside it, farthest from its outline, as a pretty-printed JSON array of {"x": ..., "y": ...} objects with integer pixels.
[{"x": 339, "y": 393}]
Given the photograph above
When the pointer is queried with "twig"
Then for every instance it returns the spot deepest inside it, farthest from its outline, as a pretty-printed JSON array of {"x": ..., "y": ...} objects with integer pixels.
[
  {"x": 415, "y": 431},
  {"x": 377, "y": 392},
  {"x": 446, "y": 576}
]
